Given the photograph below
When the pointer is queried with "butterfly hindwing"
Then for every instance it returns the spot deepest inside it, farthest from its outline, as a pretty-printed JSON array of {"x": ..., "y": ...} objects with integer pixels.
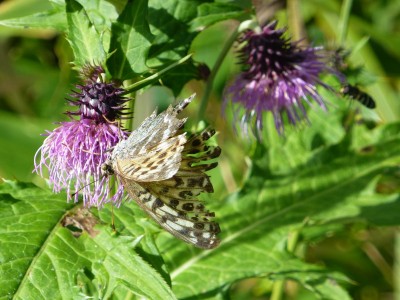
[{"x": 199, "y": 231}]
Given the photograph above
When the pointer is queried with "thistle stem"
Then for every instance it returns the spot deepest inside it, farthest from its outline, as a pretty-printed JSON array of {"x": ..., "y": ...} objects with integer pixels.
[
  {"x": 214, "y": 71},
  {"x": 139, "y": 84},
  {"x": 295, "y": 21},
  {"x": 344, "y": 21},
  {"x": 279, "y": 285},
  {"x": 277, "y": 290},
  {"x": 128, "y": 123}
]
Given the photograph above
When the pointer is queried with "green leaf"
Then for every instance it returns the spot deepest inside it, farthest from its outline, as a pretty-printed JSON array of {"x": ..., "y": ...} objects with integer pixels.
[
  {"x": 20, "y": 139},
  {"x": 52, "y": 19},
  {"x": 102, "y": 14},
  {"x": 178, "y": 77},
  {"x": 85, "y": 41},
  {"x": 184, "y": 65},
  {"x": 131, "y": 39},
  {"x": 211, "y": 13},
  {"x": 335, "y": 184},
  {"x": 28, "y": 14},
  {"x": 397, "y": 266},
  {"x": 168, "y": 20},
  {"x": 40, "y": 259}
]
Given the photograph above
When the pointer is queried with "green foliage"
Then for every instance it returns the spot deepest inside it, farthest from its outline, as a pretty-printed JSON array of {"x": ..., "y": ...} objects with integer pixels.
[
  {"x": 272, "y": 205},
  {"x": 276, "y": 199},
  {"x": 42, "y": 259},
  {"x": 83, "y": 36},
  {"x": 131, "y": 41},
  {"x": 211, "y": 13}
]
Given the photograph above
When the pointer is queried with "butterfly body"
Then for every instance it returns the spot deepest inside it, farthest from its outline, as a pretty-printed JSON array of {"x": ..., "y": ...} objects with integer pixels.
[{"x": 164, "y": 172}]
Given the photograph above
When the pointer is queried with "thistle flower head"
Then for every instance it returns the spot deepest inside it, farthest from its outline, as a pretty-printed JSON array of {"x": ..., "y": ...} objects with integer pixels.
[
  {"x": 74, "y": 152},
  {"x": 278, "y": 76},
  {"x": 97, "y": 100}
]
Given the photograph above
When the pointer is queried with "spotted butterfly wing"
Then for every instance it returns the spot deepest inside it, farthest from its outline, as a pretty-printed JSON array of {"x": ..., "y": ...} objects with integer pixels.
[{"x": 164, "y": 172}]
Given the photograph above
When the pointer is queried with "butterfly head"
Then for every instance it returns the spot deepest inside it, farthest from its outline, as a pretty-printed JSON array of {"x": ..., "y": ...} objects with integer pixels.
[{"x": 106, "y": 168}]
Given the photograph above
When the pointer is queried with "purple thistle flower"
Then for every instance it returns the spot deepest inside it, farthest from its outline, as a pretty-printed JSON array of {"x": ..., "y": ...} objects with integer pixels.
[
  {"x": 75, "y": 151},
  {"x": 279, "y": 75}
]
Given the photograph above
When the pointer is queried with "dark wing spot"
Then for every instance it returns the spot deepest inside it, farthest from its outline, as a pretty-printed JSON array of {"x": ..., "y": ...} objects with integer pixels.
[
  {"x": 198, "y": 234},
  {"x": 185, "y": 194},
  {"x": 194, "y": 151},
  {"x": 209, "y": 188},
  {"x": 196, "y": 142},
  {"x": 211, "y": 166},
  {"x": 157, "y": 204},
  {"x": 215, "y": 228},
  {"x": 200, "y": 207},
  {"x": 207, "y": 134},
  {"x": 181, "y": 214},
  {"x": 174, "y": 203},
  {"x": 199, "y": 226},
  {"x": 178, "y": 181},
  {"x": 188, "y": 206},
  {"x": 215, "y": 152}
]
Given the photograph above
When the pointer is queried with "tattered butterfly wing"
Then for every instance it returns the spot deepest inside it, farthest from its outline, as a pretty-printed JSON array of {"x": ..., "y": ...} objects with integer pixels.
[
  {"x": 153, "y": 131},
  {"x": 173, "y": 202},
  {"x": 166, "y": 177}
]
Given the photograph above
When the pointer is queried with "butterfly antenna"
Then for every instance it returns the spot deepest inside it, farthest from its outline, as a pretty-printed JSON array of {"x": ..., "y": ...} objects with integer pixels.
[
  {"x": 112, "y": 219},
  {"x": 76, "y": 192},
  {"x": 114, "y": 122},
  {"x": 109, "y": 121}
]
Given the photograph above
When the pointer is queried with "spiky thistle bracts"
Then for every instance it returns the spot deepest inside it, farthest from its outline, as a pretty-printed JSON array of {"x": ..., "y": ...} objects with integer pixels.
[{"x": 97, "y": 99}]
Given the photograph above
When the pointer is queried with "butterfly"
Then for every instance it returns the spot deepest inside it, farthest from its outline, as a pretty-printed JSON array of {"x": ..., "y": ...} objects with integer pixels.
[{"x": 163, "y": 170}]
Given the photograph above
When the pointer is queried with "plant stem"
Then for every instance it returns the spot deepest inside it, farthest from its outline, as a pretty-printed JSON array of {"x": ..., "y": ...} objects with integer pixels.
[
  {"x": 344, "y": 21},
  {"x": 137, "y": 85},
  {"x": 277, "y": 290},
  {"x": 214, "y": 71},
  {"x": 128, "y": 123},
  {"x": 295, "y": 21},
  {"x": 279, "y": 285}
]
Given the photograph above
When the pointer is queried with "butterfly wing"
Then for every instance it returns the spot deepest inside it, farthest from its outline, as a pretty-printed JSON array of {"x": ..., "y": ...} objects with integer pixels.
[
  {"x": 153, "y": 131},
  {"x": 159, "y": 163},
  {"x": 173, "y": 202},
  {"x": 201, "y": 233}
]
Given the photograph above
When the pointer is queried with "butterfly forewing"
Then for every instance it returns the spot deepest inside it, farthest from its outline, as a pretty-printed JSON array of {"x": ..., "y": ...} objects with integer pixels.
[
  {"x": 164, "y": 172},
  {"x": 159, "y": 163},
  {"x": 153, "y": 131}
]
